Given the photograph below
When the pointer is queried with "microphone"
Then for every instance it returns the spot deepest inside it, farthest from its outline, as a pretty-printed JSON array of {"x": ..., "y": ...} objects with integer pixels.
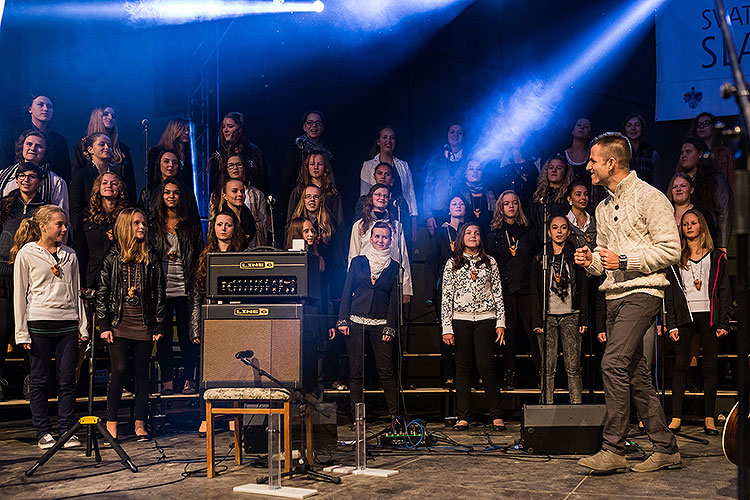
[
  {"x": 144, "y": 122},
  {"x": 244, "y": 354},
  {"x": 270, "y": 200}
]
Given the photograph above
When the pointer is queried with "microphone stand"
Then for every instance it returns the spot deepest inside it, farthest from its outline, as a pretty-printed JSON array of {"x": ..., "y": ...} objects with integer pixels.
[
  {"x": 145, "y": 153},
  {"x": 742, "y": 230},
  {"x": 303, "y": 466},
  {"x": 545, "y": 300}
]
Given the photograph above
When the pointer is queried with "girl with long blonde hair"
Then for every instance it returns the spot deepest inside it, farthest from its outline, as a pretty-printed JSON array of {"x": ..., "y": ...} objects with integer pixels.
[{"x": 130, "y": 310}]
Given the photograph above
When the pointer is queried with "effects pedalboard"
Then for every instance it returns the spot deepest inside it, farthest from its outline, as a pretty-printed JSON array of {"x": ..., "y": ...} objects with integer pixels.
[{"x": 405, "y": 434}]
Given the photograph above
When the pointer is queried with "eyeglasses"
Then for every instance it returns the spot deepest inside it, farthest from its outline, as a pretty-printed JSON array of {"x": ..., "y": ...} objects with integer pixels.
[
  {"x": 310, "y": 123},
  {"x": 31, "y": 177},
  {"x": 234, "y": 165},
  {"x": 704, "y": 123},
  {"x": 312, "y": 196}
]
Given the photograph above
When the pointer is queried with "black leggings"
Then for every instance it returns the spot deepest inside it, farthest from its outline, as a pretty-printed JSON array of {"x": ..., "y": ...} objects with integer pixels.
[
  {"x": 700, "y": 326},
  {"x": 118, "y": 357},
  {"x": 384, "y": 359},
  {"x": 179, "y": 307},
  {"x": 475, "y": 341}
]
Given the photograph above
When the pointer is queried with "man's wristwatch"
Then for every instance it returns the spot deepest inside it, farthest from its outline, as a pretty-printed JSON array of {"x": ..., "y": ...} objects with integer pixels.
[{"x": 623, "y": 262}]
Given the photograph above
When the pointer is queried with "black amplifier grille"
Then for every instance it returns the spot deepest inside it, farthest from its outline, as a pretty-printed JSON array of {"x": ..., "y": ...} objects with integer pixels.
[{"x": 261, "y": 285}]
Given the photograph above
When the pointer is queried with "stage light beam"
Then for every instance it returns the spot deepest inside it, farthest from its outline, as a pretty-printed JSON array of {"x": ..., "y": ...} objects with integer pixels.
[
  {"x": 162, "y": 12},
  {"x": 2, "y": 10},
  {"x": 516, "y": 115}
]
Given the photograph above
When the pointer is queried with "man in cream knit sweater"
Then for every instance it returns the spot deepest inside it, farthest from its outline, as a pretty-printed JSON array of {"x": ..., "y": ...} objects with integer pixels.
[{"x": 637, "y": 239}]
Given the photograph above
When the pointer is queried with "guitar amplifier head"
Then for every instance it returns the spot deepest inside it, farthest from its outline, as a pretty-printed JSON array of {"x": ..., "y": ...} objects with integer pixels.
[
  {"x": 281, "y": 336},
  {"x": 263, "y": 276}
]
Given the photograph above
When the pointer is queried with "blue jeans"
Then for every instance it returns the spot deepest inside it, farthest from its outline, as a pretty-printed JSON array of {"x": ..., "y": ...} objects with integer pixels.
[{"x": 65, "y": 351}]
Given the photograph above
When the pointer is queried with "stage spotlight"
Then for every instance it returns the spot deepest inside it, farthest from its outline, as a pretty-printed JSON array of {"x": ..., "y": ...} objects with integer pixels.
[
  {"x": 180, "y": 11},
  {"x": 2, "y": 10},
  {"x": 518, "y": 113},
  {"x": 162, "y": 12}
]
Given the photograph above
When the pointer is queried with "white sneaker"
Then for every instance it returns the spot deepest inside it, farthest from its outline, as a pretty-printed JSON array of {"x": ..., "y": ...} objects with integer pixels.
[
  {"x": 46, "y": 442},
  {"x": 73, "y": 442}
]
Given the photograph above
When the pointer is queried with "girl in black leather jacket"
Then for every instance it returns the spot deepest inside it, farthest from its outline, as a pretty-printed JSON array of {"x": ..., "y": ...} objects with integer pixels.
[
  {"x": 130, "y": 310},
  {"x": 178, "y": 240}
]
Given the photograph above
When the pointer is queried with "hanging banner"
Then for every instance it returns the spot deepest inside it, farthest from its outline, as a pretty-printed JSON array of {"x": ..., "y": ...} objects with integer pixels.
[{"x": 691, "y": 61}]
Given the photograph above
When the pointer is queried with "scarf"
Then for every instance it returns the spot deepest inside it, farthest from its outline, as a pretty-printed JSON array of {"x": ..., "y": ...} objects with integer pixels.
[
  {"x": 474, "y": 187},
  {"x": 379, "y": 260},
  {"x": 308, "y": 146}
]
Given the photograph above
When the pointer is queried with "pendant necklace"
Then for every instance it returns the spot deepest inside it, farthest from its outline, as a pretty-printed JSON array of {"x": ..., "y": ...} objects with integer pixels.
[
  {"x": 697, "y": 281},
  {"x": 557, "y": 271},
  {"x": 132, "y": 280},
  {"x": 512, "y": 244},
  {"x": 477, "y": 209},
  {"x": 451, "y": 242}
]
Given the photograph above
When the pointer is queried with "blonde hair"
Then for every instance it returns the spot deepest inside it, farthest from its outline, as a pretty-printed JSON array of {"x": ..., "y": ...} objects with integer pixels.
[
  {"x": 543, "y": 182},
  {"x": 29, "y": 229},
  {"x": 324, "y": 216},
  {"x": 704, "y": 239},
  {"x": 131, "y": 250},
  {"x": 170, "y": 138},
  {"x": 96, "y": 125},
  {"x": 499, "y": 215}
]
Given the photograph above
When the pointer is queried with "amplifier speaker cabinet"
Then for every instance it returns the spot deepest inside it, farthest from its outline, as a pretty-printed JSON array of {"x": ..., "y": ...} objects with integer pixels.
[
  {"x": 282, "y": 337},
  {"x": 562, "y": 429}
]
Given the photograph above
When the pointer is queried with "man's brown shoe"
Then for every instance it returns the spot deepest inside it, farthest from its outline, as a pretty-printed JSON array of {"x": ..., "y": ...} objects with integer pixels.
[
  {"x": 658, "y": 460},
  {"x": 604, "y": 461}
]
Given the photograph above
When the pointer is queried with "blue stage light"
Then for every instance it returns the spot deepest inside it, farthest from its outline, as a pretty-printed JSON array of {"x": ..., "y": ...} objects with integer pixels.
[
  {"x": 2, "y": 10},
  {"x": 377, "y": 14},
  {"x": 163, "y": 12},
  {"x": 180, "y": 11},
  {"x": 515, "y": 114}
]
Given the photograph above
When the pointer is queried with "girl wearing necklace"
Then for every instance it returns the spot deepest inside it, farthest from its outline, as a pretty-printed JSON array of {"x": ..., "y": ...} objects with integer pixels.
[
  {"x": 473, "y": 319},
  {"x": 130, "y": 309},
  {"x": 512, "y": 244},
  {"x": 49, "y": 315},
  {"x": 178, "y": 241},
  {"x": 567, "y": 309},
  {"x": 442, "y": 246},
  {"x": 699, "y": 302}
]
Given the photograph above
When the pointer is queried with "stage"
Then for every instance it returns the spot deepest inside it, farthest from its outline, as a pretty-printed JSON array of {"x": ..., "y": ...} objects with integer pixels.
[{"x": 168, "y": 469}]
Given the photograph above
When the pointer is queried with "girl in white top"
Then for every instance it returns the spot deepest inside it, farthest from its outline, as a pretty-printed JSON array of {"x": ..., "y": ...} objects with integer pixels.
[
  {"x": 49, "y": 315},
  {"x": 384, "y": 147},
  {"x": 374, "y": 209}
]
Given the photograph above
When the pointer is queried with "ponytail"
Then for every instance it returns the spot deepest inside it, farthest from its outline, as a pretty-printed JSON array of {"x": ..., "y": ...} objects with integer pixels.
[{"x": 27, "y": 232}]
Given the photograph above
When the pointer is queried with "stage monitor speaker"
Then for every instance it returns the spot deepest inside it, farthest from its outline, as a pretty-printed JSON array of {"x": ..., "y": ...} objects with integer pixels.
[
  {"x": 562, "y": 429},
  {"x": 281, "y": 336}
]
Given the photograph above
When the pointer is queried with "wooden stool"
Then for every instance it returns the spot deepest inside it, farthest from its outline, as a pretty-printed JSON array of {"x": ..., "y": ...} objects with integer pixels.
[{"x": 255, "y": 395}]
